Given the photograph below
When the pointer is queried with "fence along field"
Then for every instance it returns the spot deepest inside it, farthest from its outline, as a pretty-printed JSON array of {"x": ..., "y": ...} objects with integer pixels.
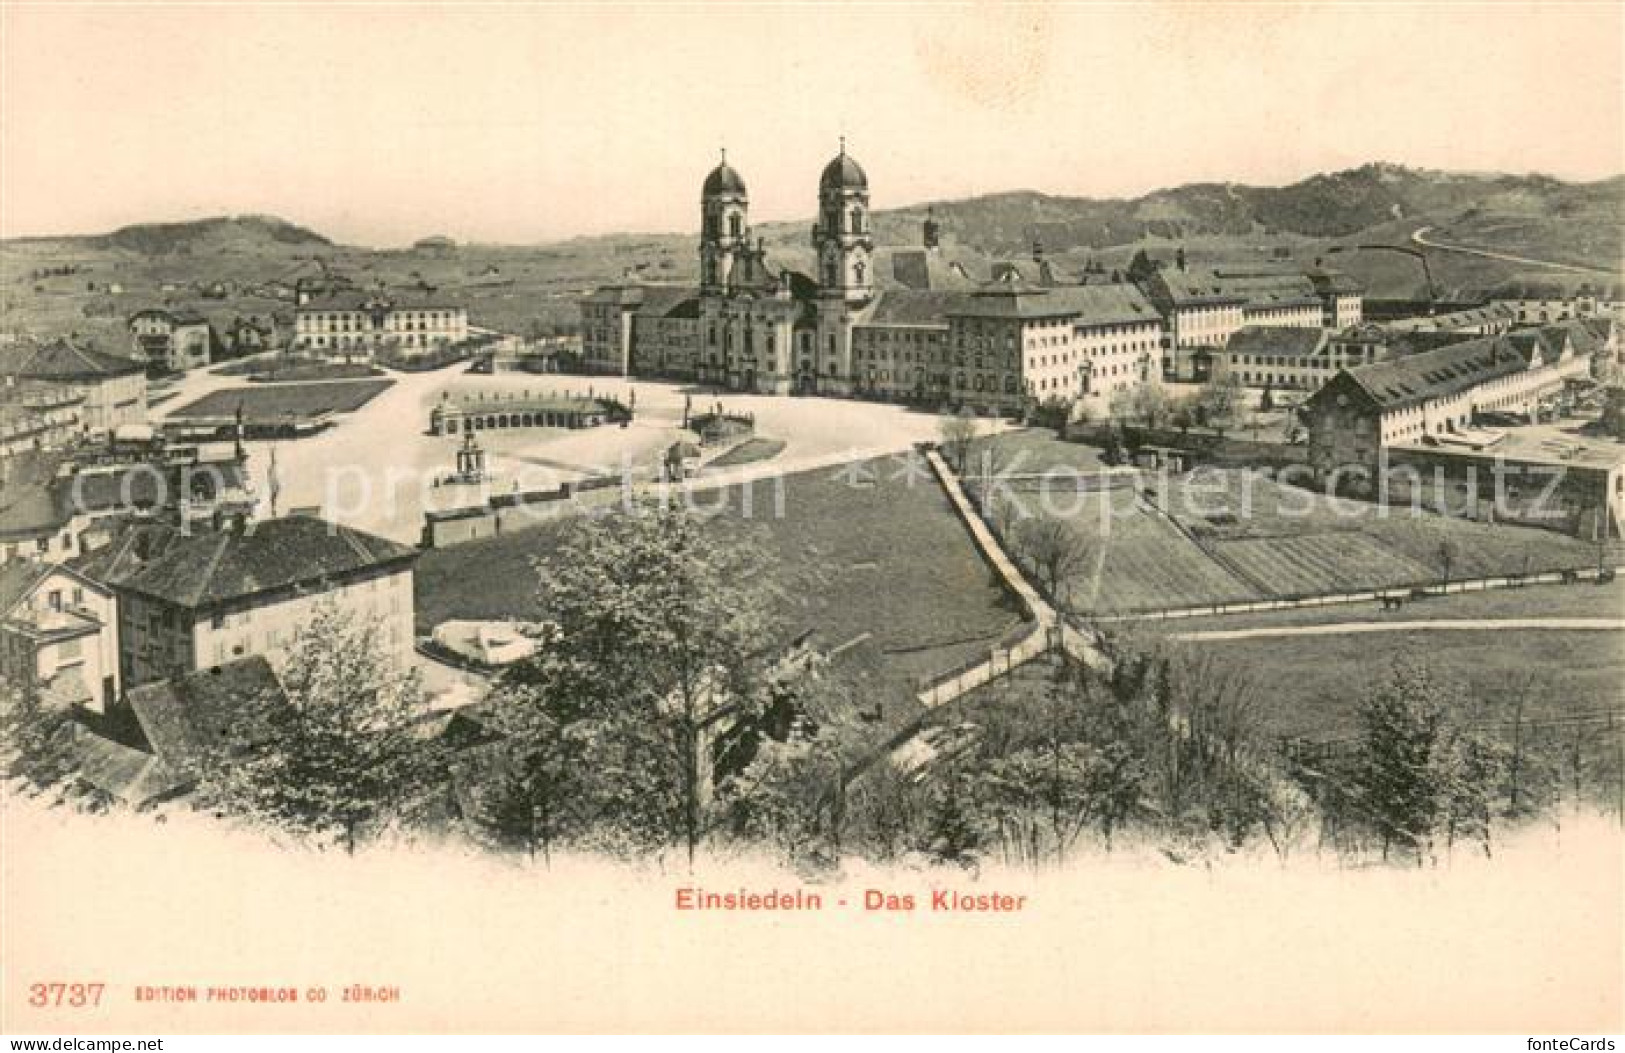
[{"x": 1236, "y": 536}]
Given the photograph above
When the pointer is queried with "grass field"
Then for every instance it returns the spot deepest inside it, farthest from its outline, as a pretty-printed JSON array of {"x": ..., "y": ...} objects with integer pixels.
[
  {"x": 1035, "y": 450},
  {"x": 883, "y": 566},
  {"x": 1276, "y": 540},
  {"x": 749, "y": 452},
  {"x": 1311, "y": 686},
  {"x": 280, "y": 369},
  {"x": 1229, "y": 536},
  {"x": 1141, "y": 560},
  {"x": 1306, "y": 564},
  {"x": 283, "y": 400}
]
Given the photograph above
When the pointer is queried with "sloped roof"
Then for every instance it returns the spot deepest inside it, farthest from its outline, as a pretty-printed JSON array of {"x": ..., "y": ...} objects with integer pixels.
[
  {"x": 922, "y": 269},
  {"x": 1489, "y": 314},
  {"x": 211, "y": 567},
  {"x": 370, "y": 299},
  {"x": 670, "y": 301},
  {"x": 1280, "y": 340},
  {"x": 18, "y": 579},
  {"x": 1251, "y": 284},
  {"x": 912, "y": 307},
  {"x": 1094, "y": 304},
  {"x": 1110, "y": 304},
  {"x": 1583, "y": 339},
  {"x": 1600, "y": 326},
  {"x": 134, "y": 776},
  {"x": 29, "y": 495},
  {"x": 225, "y": 707},
  {"x": 133, "y": 544},
  {"x": 63, "y": 359},
  {"x": 1434, "y": 374}
]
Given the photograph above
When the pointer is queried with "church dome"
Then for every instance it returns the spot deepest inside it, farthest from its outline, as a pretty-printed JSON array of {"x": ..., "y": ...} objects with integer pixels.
[
  {"x": 723, "y": 180},
  {"x": 843, "y": 173}
]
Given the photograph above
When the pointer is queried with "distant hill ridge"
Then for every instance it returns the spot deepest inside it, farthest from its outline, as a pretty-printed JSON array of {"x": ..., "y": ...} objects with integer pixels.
[
  {"x": 220, "y": 233},
  {"x": 1549, "y": 218},
  {"x": 1334, "y": 205}
]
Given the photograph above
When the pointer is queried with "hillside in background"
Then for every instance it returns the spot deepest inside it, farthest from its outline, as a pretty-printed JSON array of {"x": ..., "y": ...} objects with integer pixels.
[
  {"x": 220, "y": 234},
  {"x": 1537, "y": 213},
  {"x": 67, "y": 284}
]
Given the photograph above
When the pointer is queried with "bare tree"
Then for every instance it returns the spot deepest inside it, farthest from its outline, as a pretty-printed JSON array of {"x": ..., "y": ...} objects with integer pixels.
[
  {"x": 1447, "y": 557},
  {"x": 1055, "y": 550},
  {"x": 958, "y": 431}
]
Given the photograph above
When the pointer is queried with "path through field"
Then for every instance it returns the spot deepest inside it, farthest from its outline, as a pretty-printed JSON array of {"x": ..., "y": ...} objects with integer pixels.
[
  {"x": 1204, "y": 635},
  {"x": 1418, "y": 237}
]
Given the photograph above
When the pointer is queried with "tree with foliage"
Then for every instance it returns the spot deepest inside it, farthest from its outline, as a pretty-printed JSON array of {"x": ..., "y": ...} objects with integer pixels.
[
  {"x": 529, "y": 803},
  {"x": 36, "y": 740},
  {"x": 953, "y": 828},
  {"x": 345, "y": 755},
  {"x": 1111, "y": 450},
  {"x": 1266, "y": 400},
  {"x": 658, "y": 620},
  {"x": 957, "y": 431},
  {"x": 1220, "y": 400},
  {"x": 1057, "y": 781},
  {"x": 1399, "y": 774},
  {"x": 1146, "y": 402},
  {"x": 1142, "y": 267}
]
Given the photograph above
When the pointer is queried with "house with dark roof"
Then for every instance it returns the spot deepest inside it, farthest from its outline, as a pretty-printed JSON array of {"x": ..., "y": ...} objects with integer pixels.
[
  {"x": 187, "y": 721},
  {"x": 113, "y": 389},
  {"x": 1540, "y": 302},
  {"x": 354, "y": 324},
  {"x": 152, "y": 749},
  {"x": 1205, "y": 306},
  {"x": 173, "y": 340},
  {"x": 1430, "y": 397},
  {"x": 55, "y": 503},
  {"x": 58, "y": 635},
  {"x": 36, "y": 521},
  {"x": 1279, "y": 357},
  {"x": 1470, "y": 321},
  {"x": 192, "y": 600}
]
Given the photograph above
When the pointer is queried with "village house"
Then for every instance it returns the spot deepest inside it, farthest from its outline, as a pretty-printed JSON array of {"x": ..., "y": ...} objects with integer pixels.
[
  {"x": 1472, "y": 321},
  {"x": 113, "y": 390},
  {"x": 191, "y": 600},
  {"x": 168, "y": 730},
  {"x": 172, "y": 340},
  {"x": 38, "y": 415},
  {"x": 58, "y": 635},
  {"x": 353, "y": 324},
  {"x": 1206, "y": 306},
  {"x": 57, "y": 505},
  {"x": 1433, "y": 398}
]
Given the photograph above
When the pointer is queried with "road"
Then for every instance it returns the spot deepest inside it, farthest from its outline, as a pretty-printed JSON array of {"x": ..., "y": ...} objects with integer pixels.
[
  {"x": 375, "y": 469},
  {"x": 1418, "y": 237},
  {"x": 1334, "y": 628}
]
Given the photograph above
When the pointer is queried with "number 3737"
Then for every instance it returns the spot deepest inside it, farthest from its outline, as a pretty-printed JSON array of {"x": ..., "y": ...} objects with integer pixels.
[{"x": 75, "y": 996}]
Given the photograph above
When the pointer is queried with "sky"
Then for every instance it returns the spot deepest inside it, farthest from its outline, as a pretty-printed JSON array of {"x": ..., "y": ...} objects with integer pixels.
[{"x": 378, "y": 123}]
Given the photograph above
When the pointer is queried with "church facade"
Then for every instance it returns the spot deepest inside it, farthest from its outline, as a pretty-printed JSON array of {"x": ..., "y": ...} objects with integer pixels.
[
  {"x": 912, "y": 324},
  {"x": 932, "y": 334}
]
